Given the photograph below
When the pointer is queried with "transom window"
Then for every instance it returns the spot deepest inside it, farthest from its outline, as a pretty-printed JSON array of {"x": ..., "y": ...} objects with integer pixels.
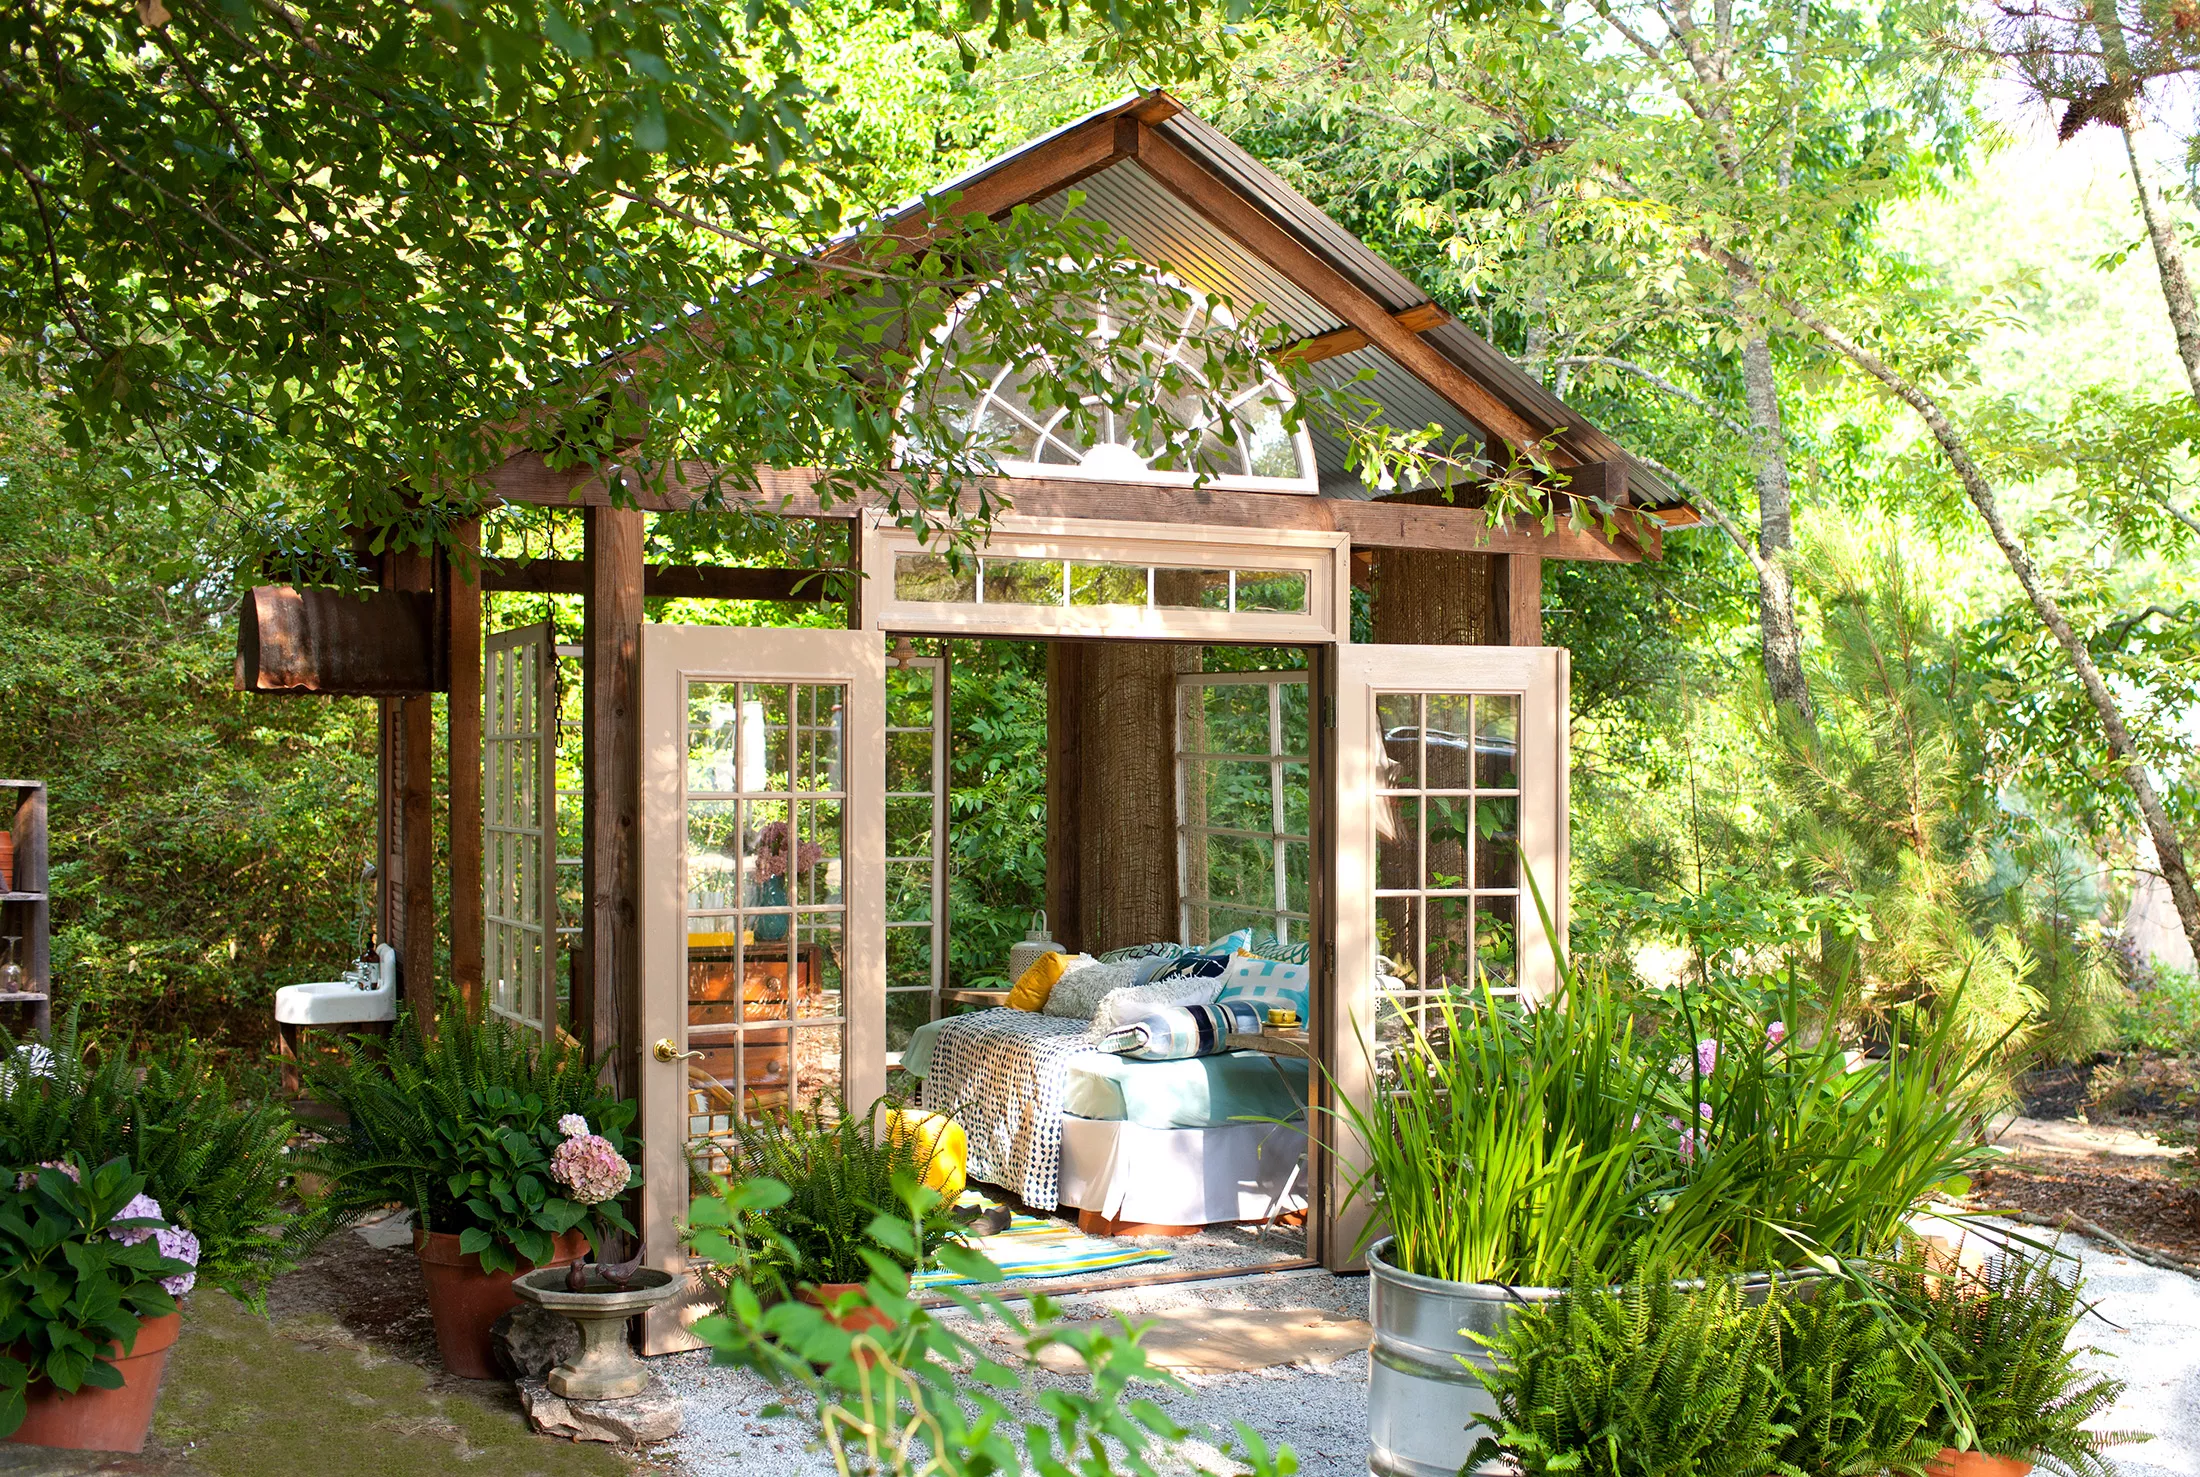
[
  {"x": 934, "y": 579},
  {"x": 1235, "y": 434}
]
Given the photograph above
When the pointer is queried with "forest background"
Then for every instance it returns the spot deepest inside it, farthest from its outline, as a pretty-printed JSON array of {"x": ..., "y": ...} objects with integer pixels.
[{"x": 1909, "y": 787}]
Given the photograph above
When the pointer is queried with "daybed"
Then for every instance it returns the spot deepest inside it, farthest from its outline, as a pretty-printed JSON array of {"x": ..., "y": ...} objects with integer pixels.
[{"x": 1157, "y": 1145}]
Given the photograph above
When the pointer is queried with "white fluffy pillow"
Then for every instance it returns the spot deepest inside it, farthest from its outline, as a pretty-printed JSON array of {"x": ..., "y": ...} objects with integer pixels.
[
  {"x": 1077, "y": 994},
  {"x": 1125, "y": 1006}
]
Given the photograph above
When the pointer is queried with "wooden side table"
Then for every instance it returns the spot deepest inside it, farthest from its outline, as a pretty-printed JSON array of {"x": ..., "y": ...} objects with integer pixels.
[{"x": 1291, "y": 1041}]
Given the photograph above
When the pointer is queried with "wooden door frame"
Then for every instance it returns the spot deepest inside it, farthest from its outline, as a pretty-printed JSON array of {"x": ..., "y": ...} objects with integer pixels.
[
  {"x": 1541, "y": 675},
  {"x": 671, "y": 657}
]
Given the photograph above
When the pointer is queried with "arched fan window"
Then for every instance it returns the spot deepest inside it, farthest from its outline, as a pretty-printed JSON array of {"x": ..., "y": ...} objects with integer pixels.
[{"x": 1025, "y": 439}]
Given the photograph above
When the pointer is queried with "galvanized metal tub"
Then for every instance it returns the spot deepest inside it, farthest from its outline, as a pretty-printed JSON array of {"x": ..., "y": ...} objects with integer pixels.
[{"x": 1422, "y": 1394}]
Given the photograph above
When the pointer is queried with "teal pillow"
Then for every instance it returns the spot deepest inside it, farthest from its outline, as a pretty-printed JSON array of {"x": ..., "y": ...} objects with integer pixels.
[{"x": 1268, "y": 946}]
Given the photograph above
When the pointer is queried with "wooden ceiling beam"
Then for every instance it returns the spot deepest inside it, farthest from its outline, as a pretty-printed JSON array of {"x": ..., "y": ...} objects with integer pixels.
[
  {"x": 1340, "y": 341},
  {"x": 793, "y": 494}
]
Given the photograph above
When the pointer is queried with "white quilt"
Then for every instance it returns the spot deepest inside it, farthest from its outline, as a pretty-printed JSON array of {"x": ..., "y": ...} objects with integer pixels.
[{"x": 1001, "y": 1074}]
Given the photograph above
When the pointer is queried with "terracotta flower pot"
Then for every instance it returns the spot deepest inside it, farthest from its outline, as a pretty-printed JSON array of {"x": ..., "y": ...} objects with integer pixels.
[
  {"x": 466, "y": 1301},
  {"x": 104, "y": 1420},
  {"x": 1953, "y": 1463},
  {"x": 855, "y": 1320}
]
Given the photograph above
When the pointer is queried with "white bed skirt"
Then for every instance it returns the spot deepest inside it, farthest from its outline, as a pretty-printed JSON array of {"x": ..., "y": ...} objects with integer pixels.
[{"x": 1183, "y": 1176}]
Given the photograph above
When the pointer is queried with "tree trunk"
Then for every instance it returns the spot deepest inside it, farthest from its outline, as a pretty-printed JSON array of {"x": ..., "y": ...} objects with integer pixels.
[
  {"x": 2184, "y": 313},
  {"x": 2169, "y": 844},
  {"x": 1781, "y": 639},
  {"x": 1111, "y": 791}
]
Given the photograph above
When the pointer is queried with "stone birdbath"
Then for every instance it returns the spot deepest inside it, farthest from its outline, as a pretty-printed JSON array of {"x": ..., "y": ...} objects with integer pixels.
[{"x": 605, "y": 1368}]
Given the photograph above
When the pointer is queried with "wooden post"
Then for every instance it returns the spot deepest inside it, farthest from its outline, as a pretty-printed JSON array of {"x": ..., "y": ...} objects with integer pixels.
[
  {"x": 415, "y": 817},
  {"x": 608, "y": 1019},
  {"x": 462, "y": 616},
  {"x": 1521, "y": 589}
]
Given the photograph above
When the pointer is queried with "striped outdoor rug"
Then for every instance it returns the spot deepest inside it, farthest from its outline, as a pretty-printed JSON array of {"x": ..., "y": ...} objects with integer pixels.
[{"x": 1033, "y": 1246}]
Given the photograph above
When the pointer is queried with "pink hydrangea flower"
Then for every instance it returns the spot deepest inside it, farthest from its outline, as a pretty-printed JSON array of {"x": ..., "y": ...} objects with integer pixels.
[
  {"x": 1703, "y": 1111},
  {"x": 572, "y": 1125},
  {"x": 777, "y": 852},
  {"x": 1776, "y": 1033},
  {"x": 589, "y": 1168},
  {"x": 181, "y": 1245},
  {"x": 29, "y": 1177},
  {"x": 1707, "y": 1056}
]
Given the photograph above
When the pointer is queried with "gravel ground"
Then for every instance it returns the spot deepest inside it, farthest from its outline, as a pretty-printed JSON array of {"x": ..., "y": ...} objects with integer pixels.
[
  {"x": 1319, "y": 1410},
  {"x": 2151, "y": 1341}
]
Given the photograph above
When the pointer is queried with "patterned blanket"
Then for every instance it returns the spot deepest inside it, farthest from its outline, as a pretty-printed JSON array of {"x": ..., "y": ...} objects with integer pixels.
[{"x": 1001, "y": 1074}]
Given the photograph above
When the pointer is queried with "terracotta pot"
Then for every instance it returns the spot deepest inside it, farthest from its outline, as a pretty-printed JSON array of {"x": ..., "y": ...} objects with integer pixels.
[
  {"x": 466, "y": 1301},
  {"x": 1953, "y": 1463},
  {"x": 855, "y": 1320},
  {"x": 104, "y": 1420}
]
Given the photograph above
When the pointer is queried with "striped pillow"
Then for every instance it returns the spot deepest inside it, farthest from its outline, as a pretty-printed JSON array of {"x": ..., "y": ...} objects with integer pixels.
[{"x": 1172, "y": 1033}]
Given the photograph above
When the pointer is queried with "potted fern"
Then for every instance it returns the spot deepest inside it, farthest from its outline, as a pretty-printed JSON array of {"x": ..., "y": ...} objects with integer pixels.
[
  {"x": 2016, "y": 1396},
  {"x": 473, "y": 1129}
]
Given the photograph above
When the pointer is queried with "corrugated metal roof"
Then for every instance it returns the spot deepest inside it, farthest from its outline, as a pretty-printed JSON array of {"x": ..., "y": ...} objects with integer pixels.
[
  {"x": 1162, "y": 228},
  {"x": 1408, "y": 404}
]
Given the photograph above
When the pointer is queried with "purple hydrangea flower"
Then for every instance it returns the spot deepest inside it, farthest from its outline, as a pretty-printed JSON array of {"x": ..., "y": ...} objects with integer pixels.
[
  {"x": 176, "y": 1242},
  {"x": 29, "y": 1177},
  {"x": 140, "y": 1208},
  {"x": 1703, "y": 1111},
  {"x": 1776, "y": 1033}
]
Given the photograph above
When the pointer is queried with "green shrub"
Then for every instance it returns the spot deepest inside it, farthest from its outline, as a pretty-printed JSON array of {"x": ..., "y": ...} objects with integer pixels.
[
  {"x": 461, "y": 1128},
  {"x": 838, "y": 1174},
  {"x": 218, "y": 1164},
  {"x": 2162, "y": 1013}
]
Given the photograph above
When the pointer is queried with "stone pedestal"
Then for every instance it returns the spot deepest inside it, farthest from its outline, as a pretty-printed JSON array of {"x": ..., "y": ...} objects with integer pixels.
[{"x": 653, "y": 1415}]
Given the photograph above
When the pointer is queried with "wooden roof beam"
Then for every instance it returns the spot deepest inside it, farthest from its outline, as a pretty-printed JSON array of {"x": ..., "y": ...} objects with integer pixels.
[
  {"x": 1340, "y": 341},
  {"x": 793, "y": 494}
]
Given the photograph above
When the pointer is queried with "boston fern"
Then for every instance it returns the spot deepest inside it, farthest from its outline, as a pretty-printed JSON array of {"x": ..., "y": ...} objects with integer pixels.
[
  {"x": 461, "y": 1127},
  {"x": 2003, "y": 1336},
  {"x": 217, "y": 1162},
  {"x": 1645, "y": 1380},
  {"x": 1853, "y": 1395},
  {"x": 80, "y": 1267}
]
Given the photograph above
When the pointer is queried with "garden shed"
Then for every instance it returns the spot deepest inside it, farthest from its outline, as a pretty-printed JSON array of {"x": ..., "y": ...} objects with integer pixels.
[{"x": 763, "y": 905}]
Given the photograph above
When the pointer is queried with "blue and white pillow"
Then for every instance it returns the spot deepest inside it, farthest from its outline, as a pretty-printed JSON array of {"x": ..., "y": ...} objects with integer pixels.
[
  {"x": 1174, "y": 1033},
  {"x": 1268, "y": 984},
  {"x": 1192, "y": 967},
  {"x": 1231, "y": 942},
  {"x": 1268, "y": 946},
  {"x": 1165, "y": 950}
]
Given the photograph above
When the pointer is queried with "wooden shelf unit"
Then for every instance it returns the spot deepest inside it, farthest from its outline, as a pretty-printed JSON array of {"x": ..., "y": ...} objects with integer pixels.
[{"x": 26, "y": 910}]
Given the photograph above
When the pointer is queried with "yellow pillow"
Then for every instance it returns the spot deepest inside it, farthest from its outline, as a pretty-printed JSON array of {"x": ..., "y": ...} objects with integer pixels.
[
  {"x": 946, "y": 1148},
  {"x": 1037, "y": 983}
]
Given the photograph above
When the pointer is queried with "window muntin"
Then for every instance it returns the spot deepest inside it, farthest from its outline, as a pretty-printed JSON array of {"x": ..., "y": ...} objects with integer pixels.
[
  {"x": 1243, "y": 804},
  {"x": 1262, "y": 449},
  {"x": 932, "y": 579},
  {"x": 1447, "y": 865}
]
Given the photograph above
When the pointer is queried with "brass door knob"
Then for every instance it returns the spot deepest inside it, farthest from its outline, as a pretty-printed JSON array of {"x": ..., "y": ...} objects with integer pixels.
[{"x": 668, "y": 1050}]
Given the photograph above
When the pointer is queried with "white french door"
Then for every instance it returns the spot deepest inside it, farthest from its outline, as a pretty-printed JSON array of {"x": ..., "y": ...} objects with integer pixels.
[
  {"x": 1450, "y": 778},
  {"x": 763, "y": 889}
]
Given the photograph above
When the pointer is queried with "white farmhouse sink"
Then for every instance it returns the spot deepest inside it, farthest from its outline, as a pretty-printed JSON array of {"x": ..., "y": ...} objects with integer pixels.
[{"x": 340, "y": 1002}]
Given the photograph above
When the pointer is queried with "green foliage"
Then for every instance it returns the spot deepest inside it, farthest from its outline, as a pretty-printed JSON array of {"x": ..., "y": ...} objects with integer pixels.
[
  {"x": 834, "y": 1174},
  {"x": 216, "y": 1161},
  {"x": 69, "y": 1286},
  {"x": 206, "y": 844},
  {"x": 1648, "y": 1380},
  {"x": 2003, "y": 1337},
  {"x": 1854, "y": 1396},
  {"x": 460, "y": 1126},
  {"x": 922, "y": 1397},
  {"x": 2162, "y": 1013},
  {"x": 998, "y": 809}
]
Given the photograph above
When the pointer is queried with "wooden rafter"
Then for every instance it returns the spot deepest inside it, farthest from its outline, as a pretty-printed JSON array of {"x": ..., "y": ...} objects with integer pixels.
[{"x": 1342, "y": 341}]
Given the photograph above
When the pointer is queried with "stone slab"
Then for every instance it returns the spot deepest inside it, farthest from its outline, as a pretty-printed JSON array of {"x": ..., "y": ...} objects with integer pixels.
[{"x": 653, "y": 1415}]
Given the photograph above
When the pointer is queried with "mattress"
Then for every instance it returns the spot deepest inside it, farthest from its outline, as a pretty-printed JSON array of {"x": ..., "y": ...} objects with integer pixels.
[
  {"x": 1199, "y": 1092},
  {"x": 1202, "y": 1092}
]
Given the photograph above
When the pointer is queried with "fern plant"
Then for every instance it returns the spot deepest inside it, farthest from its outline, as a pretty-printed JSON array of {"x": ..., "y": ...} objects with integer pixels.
[
  {"x": 460, "y": 1127},
  {"x": 2003, "y": 1336},
  {"x": 840, "y": 1175},
  {"x": 218, "y": 1163},
  {"x": 1649, "y": 1379},
  {"x": 1853, "y": 1395}
]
